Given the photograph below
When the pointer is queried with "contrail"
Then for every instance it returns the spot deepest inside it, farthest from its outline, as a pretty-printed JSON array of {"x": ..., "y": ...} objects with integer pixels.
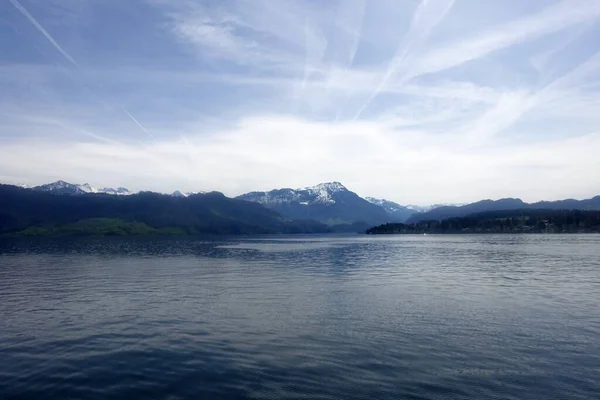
[
  {"x": 427, "y": 16},
  {"x": 137, "y": 122},
  {"x": 40, "y": 28},
  {"x": 62, "y": 51}
]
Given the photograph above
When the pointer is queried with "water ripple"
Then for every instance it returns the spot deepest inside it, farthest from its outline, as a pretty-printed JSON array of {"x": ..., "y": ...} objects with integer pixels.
[{"x": 314, "y": 317}]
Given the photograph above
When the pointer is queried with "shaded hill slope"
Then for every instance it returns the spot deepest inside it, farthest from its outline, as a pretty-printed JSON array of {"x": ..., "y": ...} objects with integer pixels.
[{"x": 202, "y": 213}]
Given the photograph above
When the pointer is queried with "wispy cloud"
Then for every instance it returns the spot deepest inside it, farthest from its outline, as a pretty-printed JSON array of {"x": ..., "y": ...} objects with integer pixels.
[
  {"x": 315, "y": 152},
  {"x": 242, "y": 95},
  {"x": 66, "y": 55},
  {"x": 552, "y": 19},
  {"x": 429, "y": 13}
]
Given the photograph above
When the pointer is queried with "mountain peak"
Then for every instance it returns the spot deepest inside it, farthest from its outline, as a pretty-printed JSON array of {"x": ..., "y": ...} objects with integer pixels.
[
  {"x": 328, "y": 202},
  {"x": 86, "y": 187},
  {"x": 331, "y": 187},
  {"x": 387, "y": 205},
  {"x": 60, "y": 183},
  {"x": 325, "y": 191},
  {"x": 62, "y": 187}
]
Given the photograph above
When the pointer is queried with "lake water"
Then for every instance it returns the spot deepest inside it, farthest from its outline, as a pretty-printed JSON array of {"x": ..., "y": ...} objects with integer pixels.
[{"x": 312, "y": 317}]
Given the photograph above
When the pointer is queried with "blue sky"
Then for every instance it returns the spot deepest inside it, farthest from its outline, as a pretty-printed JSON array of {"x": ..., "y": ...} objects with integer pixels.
[{"x": 417, "y": 101}]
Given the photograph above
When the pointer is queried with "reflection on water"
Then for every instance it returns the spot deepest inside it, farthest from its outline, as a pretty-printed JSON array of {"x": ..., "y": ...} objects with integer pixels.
[{"x": 305, "y": 316}]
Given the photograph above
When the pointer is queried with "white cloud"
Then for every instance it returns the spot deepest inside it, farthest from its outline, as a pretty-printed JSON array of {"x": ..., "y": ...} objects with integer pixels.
[
  {"x": 365, "y": 156},
  {"x": 427, "y": 16},
  {"x": 254, "y": 95},
  {"x": 552, "y": 19}
]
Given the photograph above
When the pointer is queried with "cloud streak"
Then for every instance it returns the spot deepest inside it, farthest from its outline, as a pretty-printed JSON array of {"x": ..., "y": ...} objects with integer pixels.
[
  {"x": 315, "y": 154},
  {"x": 552, "y": 19},
  {"x": 438, "y": 101},
  {"x": 67, "y": 56},
  {"x": 43, "y": 31},
  {"x": 427, "y": 16}
]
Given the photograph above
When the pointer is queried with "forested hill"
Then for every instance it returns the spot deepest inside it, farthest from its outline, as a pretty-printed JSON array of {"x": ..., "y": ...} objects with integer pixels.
[
  {"x": 25, "y": 211},
  {"x": 507, "y": 221},
  {"x": 446, "y": 212}
]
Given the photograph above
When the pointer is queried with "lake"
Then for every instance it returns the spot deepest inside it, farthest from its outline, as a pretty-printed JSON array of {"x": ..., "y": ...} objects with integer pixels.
[{"x": 312, "y": 317}]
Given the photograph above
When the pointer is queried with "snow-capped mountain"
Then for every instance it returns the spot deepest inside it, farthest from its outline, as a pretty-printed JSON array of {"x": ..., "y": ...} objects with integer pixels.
[
  {"x": 396, "y": 212},
  {"x": 400, "y": 213},
  {"x": 329, "y": 202},
  {"x": 179, "y": 193},
  {"x": 387, "y": 205},
  {"x": 62, "y": 187},
  {"x": 120, "y": 191},
  {"x": 430, "y": 207},
  {"x": 322, "y": 193},
  {"x": 86, "y": 187}
]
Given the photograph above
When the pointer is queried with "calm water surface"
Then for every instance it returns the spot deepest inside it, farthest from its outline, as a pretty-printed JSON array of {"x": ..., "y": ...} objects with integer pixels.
[{"x": 312, "y": 317}]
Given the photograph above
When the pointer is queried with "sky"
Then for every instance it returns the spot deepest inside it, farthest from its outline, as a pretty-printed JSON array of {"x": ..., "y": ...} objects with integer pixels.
[{"x": 415, "y": 101}]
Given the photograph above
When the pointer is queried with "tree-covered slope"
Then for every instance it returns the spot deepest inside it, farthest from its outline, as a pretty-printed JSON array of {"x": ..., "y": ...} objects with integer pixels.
[
  {"x": 504, "y": 221},
  {"x": 508, "y": 204},
  {"x": 213, "y": 213}
]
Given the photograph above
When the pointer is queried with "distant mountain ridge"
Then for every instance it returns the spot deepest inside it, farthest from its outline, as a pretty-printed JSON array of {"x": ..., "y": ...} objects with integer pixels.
[
  {"x": 62, "y": 187},
  {"x": 442, "y": 213},
  {"x": 179, "y": 193},
  {"x": 66, "y": 188},
  {"x": 335, "y": 205},
  {"x": 430, "y": 207},
  {"x": 331, "y": 203},
  {"x": 396, "y": 212},
  {"x": 39, "y": 212}
]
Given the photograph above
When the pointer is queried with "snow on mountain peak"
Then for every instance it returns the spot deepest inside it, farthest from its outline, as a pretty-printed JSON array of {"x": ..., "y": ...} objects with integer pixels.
[
  {"x": 387, "y": 205},
  {"x": 331, "y": 187},
  {"x": 120, "y": 191},
  {"x": 63, "y": 187},
  {"x": 430, "y": 207},
  {"x": 391, "y": 206},
  {"x": 60, "y": 184},
  {"x": 323, "y": 191},
  {"x": 179, "y": 193},
  {"x": 86, "y": 187}
]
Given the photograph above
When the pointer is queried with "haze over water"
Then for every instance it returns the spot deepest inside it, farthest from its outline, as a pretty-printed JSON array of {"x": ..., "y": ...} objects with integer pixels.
[{"x": 327, "y": 317}]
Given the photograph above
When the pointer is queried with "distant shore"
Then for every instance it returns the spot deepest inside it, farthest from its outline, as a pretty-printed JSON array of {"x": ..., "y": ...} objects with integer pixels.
[{"x": 512, "y": 221}]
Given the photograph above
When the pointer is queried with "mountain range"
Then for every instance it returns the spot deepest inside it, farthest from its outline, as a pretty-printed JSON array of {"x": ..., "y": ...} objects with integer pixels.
[
  {"x": 442, "y": 213},
  {"x": 330, "y": 203},
  {"x": 395, "y": 211},
  {"x": 38, "y": 212},
  {"x": 62, "y": 187},
  {"x": 341, "y": 209}
]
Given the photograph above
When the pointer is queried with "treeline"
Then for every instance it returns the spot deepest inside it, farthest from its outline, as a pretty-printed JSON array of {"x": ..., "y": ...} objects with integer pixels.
[
  {"x": 21, "y": 210},
  {"x": 506, "y": 221}
]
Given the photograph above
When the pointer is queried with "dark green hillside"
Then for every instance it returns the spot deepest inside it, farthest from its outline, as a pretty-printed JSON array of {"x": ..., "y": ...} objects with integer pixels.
[
  {"x": 32, "y": 212},
  {"x": 505, "y": 221}
]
